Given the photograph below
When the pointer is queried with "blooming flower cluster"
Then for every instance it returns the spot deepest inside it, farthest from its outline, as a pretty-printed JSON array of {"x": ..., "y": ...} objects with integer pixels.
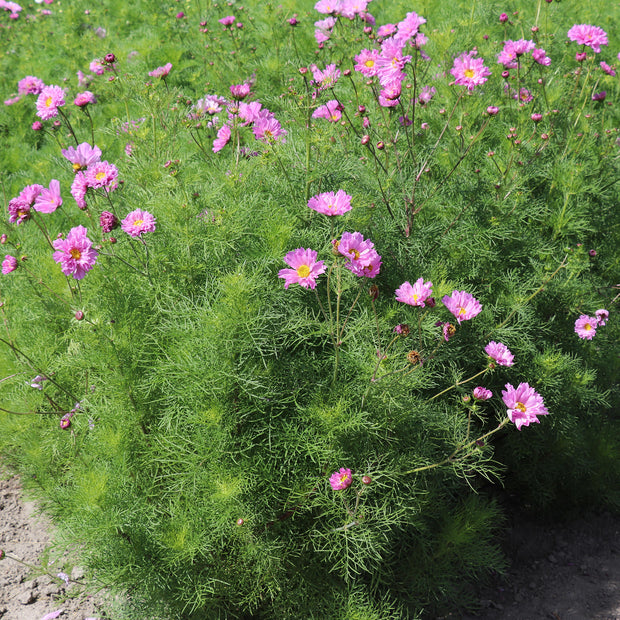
[{"x": 585, "y": 326}]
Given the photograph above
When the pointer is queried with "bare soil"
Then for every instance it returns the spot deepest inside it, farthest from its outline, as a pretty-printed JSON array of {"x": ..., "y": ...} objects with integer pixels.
[{"x": 565, "y": 571}]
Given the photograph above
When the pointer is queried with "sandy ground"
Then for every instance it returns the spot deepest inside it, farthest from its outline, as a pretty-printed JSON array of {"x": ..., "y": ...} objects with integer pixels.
[{"x": 570, "y": 571}]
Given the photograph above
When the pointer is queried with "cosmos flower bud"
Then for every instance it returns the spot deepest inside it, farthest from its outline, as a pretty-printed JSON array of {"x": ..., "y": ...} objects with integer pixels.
[
  {"x": 79, "y": 315},
  {"x": 240, "y": 521},
  {"x": 110, "y": 58},
  {"x": 380, "y": 145},
  {"x": 365, "y": 139},
  {"x": 366, "y": 479}
]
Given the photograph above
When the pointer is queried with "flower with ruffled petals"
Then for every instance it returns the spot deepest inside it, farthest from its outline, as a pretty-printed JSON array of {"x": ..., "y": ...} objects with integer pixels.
[
  {"x": 79, "y": 187},
  {"x": 161, "y": 72},
  {"x": 481, "y": 393},
  {"x": 9, "y": 264},
  {"x": 332, "y": 111},
  {"x": 540, "y": 56},
  {"x": 108, "y": 221},
  {"x": 223, "y": 137},
  {"x": 601, "y": 317},
  {"x": 30, "y": 85},
  {"x": 469, "y": 71},
  {"x": 585, "y": 326},
  {"x": 240, "y": 91},
  {"x": 341, "y": 479},
  {"x": 366, "y": 62},
  {"x": 19, "y": 207},
  {"x": 305, "y": 268},
  {"x": 75, "y": 253},
  {"x": 362, "y": 258},
  {"x": 608, "y": 69},
  {"x": 524, "y": 404},
  {"x": 83, "y": 99},
  {"x": 101, "y": 174},
  {"x": 268, "y": 129},
  {"x": 49, "y": 199},
  {"x": 591, "y": 36},
  {"x": 462, "y": 305},
  {"x": 328, "y": 7},
  {"x": 49, "y": 100},
  {"x": 448, "y": 330},
  {"x": 500, "y": 353},
  {"x": 326, "y": 78},
  {"x": 229, "y": 20},
  {"x": 414, "y": 295},
  {"x": 138, "y": 222},
  {"x": 83, "y": 156},
  {"x": 330, "y": 203}
]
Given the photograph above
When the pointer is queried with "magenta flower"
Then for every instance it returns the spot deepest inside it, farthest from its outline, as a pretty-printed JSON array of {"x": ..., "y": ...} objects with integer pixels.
[
  {"x": 49, "y": 199},
  {"x": 469, "y": 71},
  {"x": 101, "y": 174},
  {"x": 9, "y": 264},
  {"x": 229, "y": 20},
  {"x": 326, "y": 78},
  {"x": 49, "y": 100},
  {"x": 30, "y": 85},
  {"x": 601, "y": 316},
  {"x": 223, "y": 137},
  {"x": 83, "y": 99},
  {"x": 366, "y": 62},
  {"x": 462, "y": 305},
  {"x": 592, "y": 36},
  {"x": 79, "y": 187},
  {"x": 585, "y": 326},
  {"x": 19, "y": 207},
  {"x": 83, "y": 156},
  {"x": 75, "y": 253},
  {"x": 341, "y": 479},
  {"x": 250, "y": 112},
  {"x": 599, "y": 96},
  {"x": 240, "y": 91},
  {"x": 608, "y": 69},
  {"x": 108, "y": 221},
  {"x": 523, "y": 404},
  {"x": 391, "y": 62},
  {"x": 329, "y": 203},
  {"x": 161, "y": 72},
  {"x": 305, "y": 268},
  {"x": 409, "y": 28},
  {"x": 426, "y": 94},
  {"x": 268, "y": 129},
  {"x": 138, "y": 222},
  {"x": 540, "y": 56},
  {"x": 332, "y": 111},
  {"x": 500, "y": 353},
  {"x": 362, "y": 258},
  {"x": 481, "y": 393},
  {"x": 512, "y": 51},
  {"x": 414, "y": 295}
]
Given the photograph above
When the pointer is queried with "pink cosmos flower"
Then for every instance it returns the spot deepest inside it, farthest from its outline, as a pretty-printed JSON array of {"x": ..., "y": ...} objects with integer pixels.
[
  {"x": 607, "y": 69},
  {"x": 328, "y": 7},
  {"x": 332, "y": 111},
  {"x": 223, "y": 137},
  {"x": 599, "y": 96},
  {"x": 101, "y": 174},
  {"x": 513, "y": 50},
  {"x": 79, "y": 187},
  {"x": 97, "y": 67},
  {"x": 30, "y": 85},
  {"x": 9, "y": 264},
  {"x": 326, "y": 78},
  {"x": 592, "y": 36},
  {"x": 229, "y": 20},
  {"x": 324, "y": 29},
  {"x": 138, "y": 222},
  {"x": 462, "y": 305},
  {"x": 426, "y": 94},
  {"x": 366, "y": 62},
  {"x": 414, "y": 295},
  {"x": 391, "y": 62},
  {"x": 341, "y": 479},
  {"x": 585, "y": 326},
  {"x": 83, "y": 156},
  {"x": 362, "y": 258},
  {"x": 82, "y": 99},
  {"x": 268, "y": 129},
  {"x": 75, "y": 254},
  {"x": 539, "y": 55},
  {"x": 387, "y": 30},
  {"x": 523, "y": 404},
  {"x": 330, "y": 203},
  {"x": 161, "y": 72},
  {"x": 240, "y": 91},
  {"x": 49, "y": 100},
  {"x": 481, "y": 393},
  {"x": 19, "y": 207},
  {"x": 249, "y": 112},
  {"x": 500, "y": 353},
  {"x": 351, "y": 8},
  {"x": 601, "y": 316},
  {"x": 469, "y": 71},
  {"x": 49, "y": 199},
  {"x": 305, "y": 268},
  {"x": 409, "y": 28}
]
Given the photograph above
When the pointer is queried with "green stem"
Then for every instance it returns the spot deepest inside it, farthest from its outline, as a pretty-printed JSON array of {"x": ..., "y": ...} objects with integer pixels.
[{"x": 458, "y": 383}]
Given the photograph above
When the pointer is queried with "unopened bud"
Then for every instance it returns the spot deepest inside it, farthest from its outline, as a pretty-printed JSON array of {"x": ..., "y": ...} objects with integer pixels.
[
  {"x": 373, "y": 291},
  {"x": 380, "y": 145},
  {"x": 79, "y": 315},
  {"x": 366, "y": 479},
  {"x": 110, "y": 58},
  {"x": 240, "y": 521},
  {"x": 365, "y": 139}
]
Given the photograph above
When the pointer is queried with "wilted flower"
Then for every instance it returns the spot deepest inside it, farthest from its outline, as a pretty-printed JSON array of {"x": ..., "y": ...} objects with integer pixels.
[
  {"x": 607, "y": 69},
  {"x": 523, "y": 404},
  {"x": 500, "y": 353},
  {"x": 341, "y": 479},
  {"x": 448, "y": 331},
  {"x": 138, "y": 222},
  {"x": 601, "y": 316},
  {"x": 585, "y": 326},
  {"x": 305, "y": 268}
]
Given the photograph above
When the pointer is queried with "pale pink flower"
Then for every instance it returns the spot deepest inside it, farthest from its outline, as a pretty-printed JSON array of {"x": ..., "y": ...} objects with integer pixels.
[
  {"x": 83, "y": 156},
  {"x": 97, "y": 67},
  {"x": 414, "y": 295},
  {"x": 524, "y": 404},
  {"x": 49, "y": 199},
  {"x": 500, "y": 353},
  {"x": 462, "y": 305},
  {"x": 330, "y": 203},
  {"x": 161, "y": 72},
  {"x": 223, "y": 137},
  {"x": 305, "y": 268},
  {"x": 9, "y": 264},
  {"x": 469, "y": 71},
  {"x": 49, "y": 100},
  {"x": 30, "y": 85},
  {"x": 481, "y": 393},
  {"x": 601, "y": 316},
  {"x": 409, "y": 27},
  {"x": 75, "y": 253},
  {"x": 328, "y": 7},
  {"x": 101, "y": 174},
  {"x": 82, "y": 99},
  {"x": 324, "y": 29},
  {"x": 351, "y": 8},
  {"x": 332, "y": 111},
  {"x": 592, "y": 36},
  {"x": 585, "y": 326},
  {"x": 326, "y": 78},
  {"x": 426, "y": 94},
  {"x": 387, "y": 30},
  {"x": 249, "y": 112},
  {"x": 138, "y": 222},
  {"x": 366, "y": 62},
  {"x": 240, "y": 91},
  {"x": 341, "y": 479}
]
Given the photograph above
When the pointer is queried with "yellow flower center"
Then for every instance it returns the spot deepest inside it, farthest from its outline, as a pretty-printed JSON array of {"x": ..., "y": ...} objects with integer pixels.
[
  {"x": 334, "y": 117},
  {"x": 587, "y": 327},
  {"x": 23, "y": 212},
  {"x": 100, "y": 176},
  {"x": 76, "y": 167},
  {"x": 462, "y": 311},
  {"x": 48, "y": 102},
  {"x": 303, "y": 271},
  {"x": 355, "y": 253},
  {"x": 75, "y": 253},
  {"x": 415, "y": 297},
  {"x": 469, "y": 73},
  {"x": 138, "y": 222},
  {"x": 521, "y": 407},
  {"x": 344, "y": 478},
  {"x": 370, "y": 63}
]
